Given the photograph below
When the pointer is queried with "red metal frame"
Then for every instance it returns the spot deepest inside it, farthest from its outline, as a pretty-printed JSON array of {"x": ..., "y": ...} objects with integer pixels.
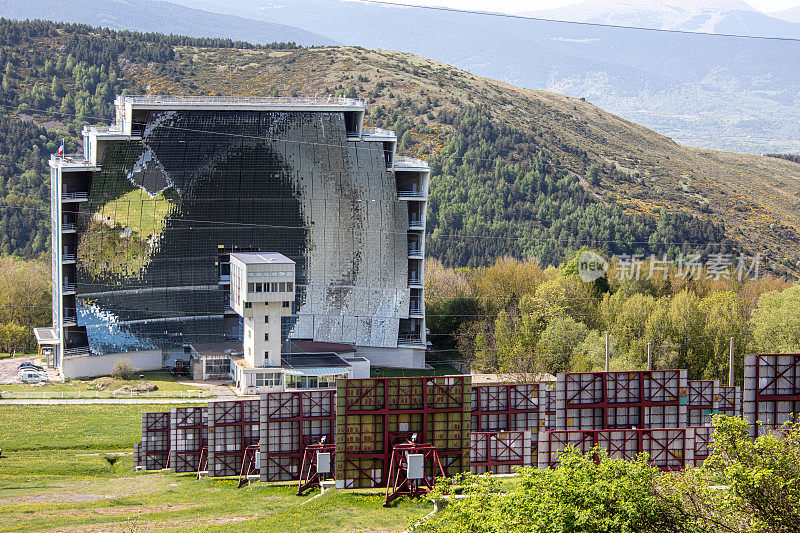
[
  {"x": 184, "y": 419},
  {"x": 229, "y": 462},
  {"x": 667, "y": 453},
  {"x": 398, "y": 472},
  {"x": 414, "y": 396},
  {"x": 768, "y": 392},
  {"x": 547, "y": 412},
  {"x": 487, "y": 446},
  {"x": 157, "y": 457},
  {"x": 248, "y": 465},
  {"x": 702, "y": 440},
  {"x": 516, "y": 405},
  {"x": 634, "y": 391},
  {"x": 309, "y": 477},
  {"x": 301, "y": 404},
  {"x": 700, "y": 397},
  {"x": 730, "y": 401}
]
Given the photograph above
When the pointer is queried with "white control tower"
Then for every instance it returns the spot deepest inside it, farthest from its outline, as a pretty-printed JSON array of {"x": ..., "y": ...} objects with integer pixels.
[{"x": 262, "y": 291}]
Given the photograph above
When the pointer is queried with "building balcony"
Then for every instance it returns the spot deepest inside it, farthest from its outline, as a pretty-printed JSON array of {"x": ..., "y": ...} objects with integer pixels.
[
  {"x": 68, "y": 258},
  {"x": 414, "y": 252},
  {"x": 410, "y": 195},
  {"x": 72, "y": 197},
  {"x": 71, "y": 161},
  {"x": 409, "y": 163},
  {"x": 67, "y": 288},
  {"x": 413, "y": 339},
  {"x": 378, "y": 134},
  {"x": 415, "y": 311},
  {"x": 77, "y": 350},
  {"x": 416, "y": 224},
  {"x": 67, "y": 227},
  {"x": 415, "y": 283},
  {"x": 70, "y": 320}
]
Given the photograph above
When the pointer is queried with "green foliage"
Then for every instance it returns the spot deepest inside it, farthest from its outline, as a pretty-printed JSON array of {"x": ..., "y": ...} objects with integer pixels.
[
  {"x": 789, "y": 157},
  {"x": 776, "y": 323},
  {"x": 122, "y": 369},
  {"x": 586, "y": 493},
  {"x": 482, "y": 206},
  {"x": 24, "y": 302},
  {"x": 517, "y": 318},
  {"x": 744, "y": 486},
  {"x": 763, "y": 476}
]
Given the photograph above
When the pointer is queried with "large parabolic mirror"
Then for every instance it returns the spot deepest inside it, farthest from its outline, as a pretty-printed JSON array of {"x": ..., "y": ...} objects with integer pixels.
[{"x": 162, "y": 208}]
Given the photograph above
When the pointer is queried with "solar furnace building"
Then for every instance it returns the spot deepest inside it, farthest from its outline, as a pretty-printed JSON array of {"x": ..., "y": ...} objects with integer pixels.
[{"x": 144, "y": 223}]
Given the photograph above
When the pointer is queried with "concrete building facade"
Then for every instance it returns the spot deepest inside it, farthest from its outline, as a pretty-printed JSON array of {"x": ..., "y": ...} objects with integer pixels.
[{"x": 148, "y": 220}]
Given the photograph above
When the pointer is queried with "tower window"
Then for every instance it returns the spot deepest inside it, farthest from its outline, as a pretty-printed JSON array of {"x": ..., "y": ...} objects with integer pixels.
[{"x": 266, "y": 337}]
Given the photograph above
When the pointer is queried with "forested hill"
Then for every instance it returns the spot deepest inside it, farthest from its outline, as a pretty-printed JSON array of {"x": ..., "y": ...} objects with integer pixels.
[{"x": 514, "y": 171}]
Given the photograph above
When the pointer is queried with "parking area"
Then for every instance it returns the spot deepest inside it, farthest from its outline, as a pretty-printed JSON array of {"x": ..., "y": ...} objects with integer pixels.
[{"x": 8, "y": 368}]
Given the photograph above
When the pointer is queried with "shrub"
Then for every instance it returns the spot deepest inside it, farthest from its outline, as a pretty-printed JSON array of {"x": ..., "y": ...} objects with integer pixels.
[
  {"x": 587, "y": 492},
  {"x": 123, "y": 369}
]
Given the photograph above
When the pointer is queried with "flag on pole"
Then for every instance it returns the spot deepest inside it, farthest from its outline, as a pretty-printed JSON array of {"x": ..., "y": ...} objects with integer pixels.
[{"x": 61, "y": 149}]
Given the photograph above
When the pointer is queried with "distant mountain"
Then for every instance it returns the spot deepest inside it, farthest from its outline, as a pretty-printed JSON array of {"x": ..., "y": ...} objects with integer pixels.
[
  {"x": 160, "y": 17},
  {"x": 713, "y": 16},
  {"x": 791, "y": 15},
  {"x": 713, "y": 92}
]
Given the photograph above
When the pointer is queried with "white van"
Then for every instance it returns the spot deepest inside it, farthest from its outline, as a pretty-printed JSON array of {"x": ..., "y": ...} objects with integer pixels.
[{"x": 31, "y": 376}]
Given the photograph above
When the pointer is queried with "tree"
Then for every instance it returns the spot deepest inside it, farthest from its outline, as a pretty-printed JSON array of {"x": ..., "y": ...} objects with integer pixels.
[
  {"x": 12, "y": 337},
  {"x": 756, "y": 484},
  {"x": 776, "y": 323},
  {"x": 557, "y": 342},
  {"x": 686, "y": 328},
  {"x": 586, "y": 493},
  {"x": 724, "y": 318}
]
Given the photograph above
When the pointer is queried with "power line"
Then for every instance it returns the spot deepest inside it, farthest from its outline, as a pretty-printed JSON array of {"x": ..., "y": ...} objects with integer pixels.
[{"x": 575, "y": 22}]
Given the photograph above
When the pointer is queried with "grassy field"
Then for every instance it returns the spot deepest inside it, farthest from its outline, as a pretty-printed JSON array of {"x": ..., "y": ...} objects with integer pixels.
[
  {"x": 7, "y": 355},
  {"x": 161, "y": 378},
  {"x": 54, "y": 476}
]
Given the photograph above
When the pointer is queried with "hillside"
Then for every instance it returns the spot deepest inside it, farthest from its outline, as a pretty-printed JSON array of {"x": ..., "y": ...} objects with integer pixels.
[
  {"x": 514, "y": 171},
  {"x": 709, "y": 91}
]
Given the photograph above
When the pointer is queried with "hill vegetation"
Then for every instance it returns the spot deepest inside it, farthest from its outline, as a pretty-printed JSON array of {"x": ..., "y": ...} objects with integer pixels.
[{"x": 518, "y": 318}]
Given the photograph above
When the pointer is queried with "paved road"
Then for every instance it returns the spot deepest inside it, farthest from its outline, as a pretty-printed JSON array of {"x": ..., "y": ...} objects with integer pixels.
[{"x": 40, "y": 401}]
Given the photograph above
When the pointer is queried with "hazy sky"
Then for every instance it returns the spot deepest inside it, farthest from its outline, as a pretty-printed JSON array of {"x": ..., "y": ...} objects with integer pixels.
[{"x": 516, "y": 6}]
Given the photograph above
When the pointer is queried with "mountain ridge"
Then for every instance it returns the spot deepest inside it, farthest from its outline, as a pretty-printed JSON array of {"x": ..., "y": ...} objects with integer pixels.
[{"x": 160, "y": 17}]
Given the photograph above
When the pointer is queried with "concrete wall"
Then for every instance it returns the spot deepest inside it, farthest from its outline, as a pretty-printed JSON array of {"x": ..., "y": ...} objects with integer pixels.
[
  {"x": 89, "y": 366},
  {"x": 361, "y": 366},
  {"x": 393, "y": 357}
]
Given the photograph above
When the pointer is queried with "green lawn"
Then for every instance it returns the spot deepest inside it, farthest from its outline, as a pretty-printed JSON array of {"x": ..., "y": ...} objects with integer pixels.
[
  {"x": 18, "y": 354},
  {"x": 103, "y": 426},
  {"x": 161, "y": 378},
  {"x": 71, "y": 486}
]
